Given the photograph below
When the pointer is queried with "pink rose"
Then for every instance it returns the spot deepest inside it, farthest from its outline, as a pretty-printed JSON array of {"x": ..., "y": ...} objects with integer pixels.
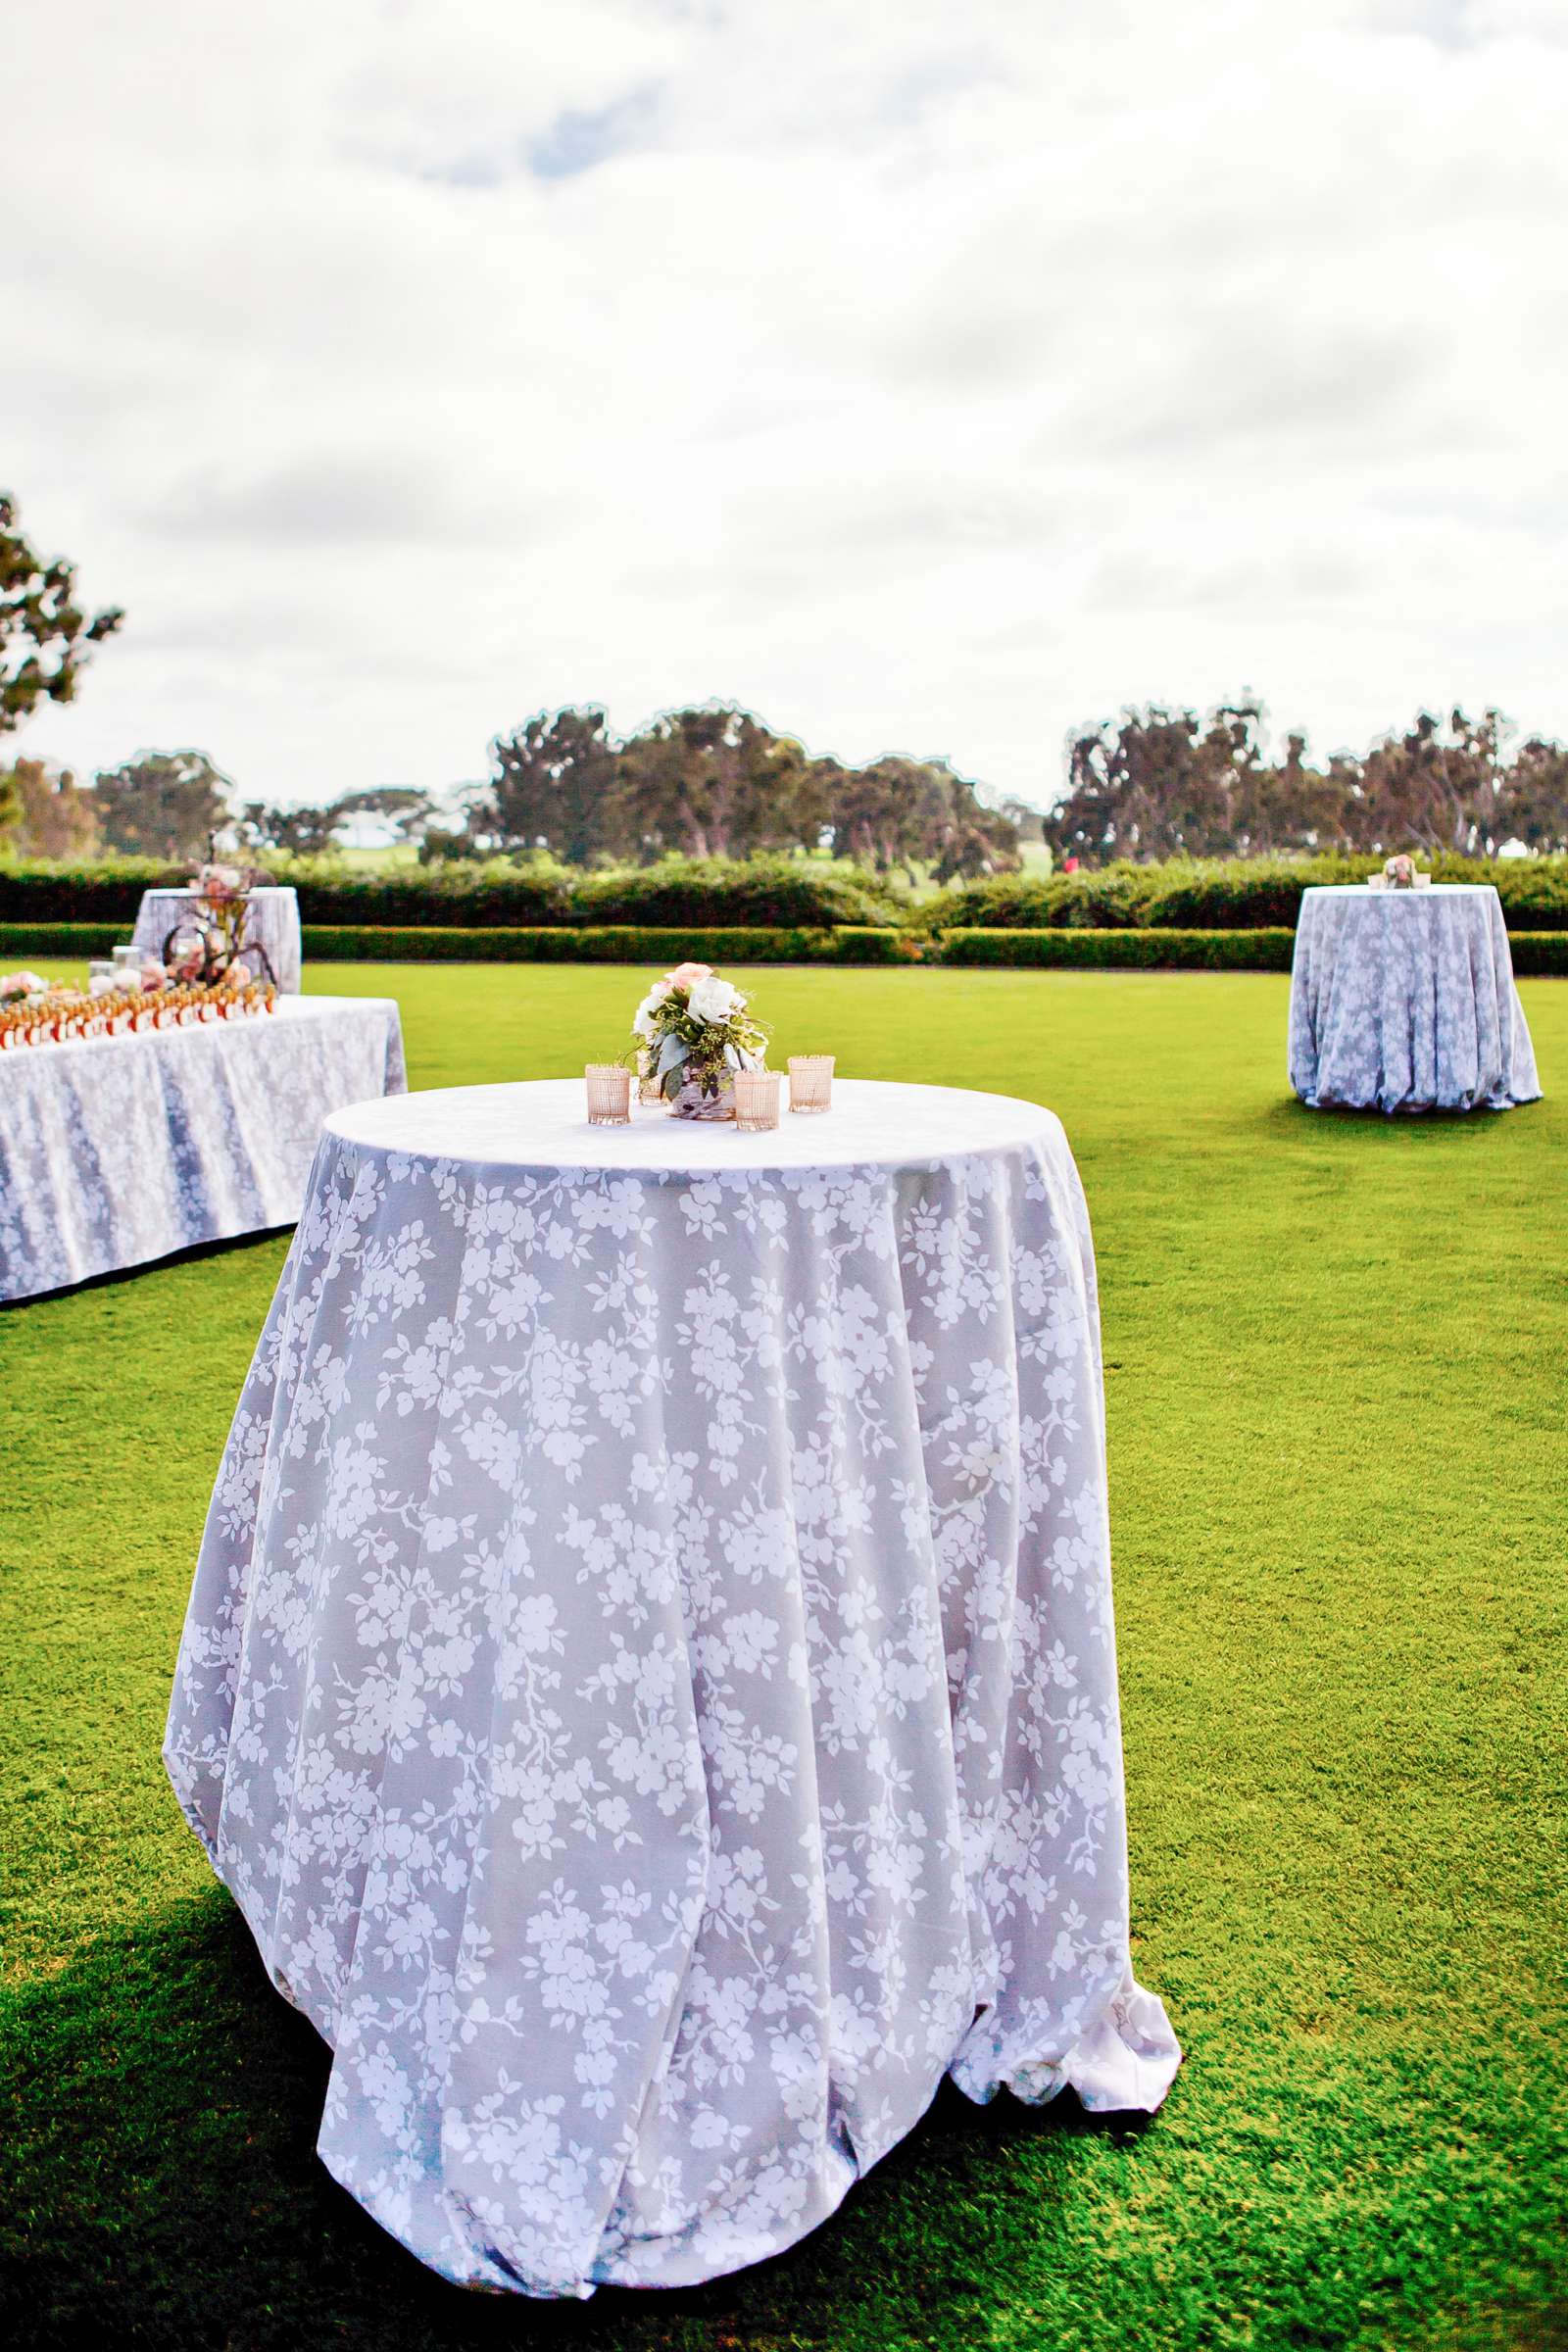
[
  {"x": 687, "y": 975},
  {"x": 21, "y": 984}
]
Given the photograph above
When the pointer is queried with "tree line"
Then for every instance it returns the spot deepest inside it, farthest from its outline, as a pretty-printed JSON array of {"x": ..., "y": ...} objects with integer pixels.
[
  {"x": 715, "y": 781},
  {"x": 708, "y": 783},
  {"x": 1161, "y": 783}
]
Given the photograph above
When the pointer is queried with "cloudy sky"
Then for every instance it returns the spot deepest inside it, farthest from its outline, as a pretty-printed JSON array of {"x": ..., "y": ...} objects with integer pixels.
[{"x": 929, "y": 377}]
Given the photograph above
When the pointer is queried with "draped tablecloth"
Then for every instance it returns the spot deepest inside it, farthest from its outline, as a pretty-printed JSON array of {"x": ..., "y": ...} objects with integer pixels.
[
  {"x": 272, "y": 921},
  {"x": 1405, "y": 1000},
  {"x": 650, "y": 1679},
  {"x": 117, "y": 1149}
]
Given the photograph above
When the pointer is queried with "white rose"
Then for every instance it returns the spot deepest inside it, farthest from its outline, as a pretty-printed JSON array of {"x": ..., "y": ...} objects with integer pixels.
[
  {"x": 713, "y": 1001},
  {"x": 643, "y": 1018}
]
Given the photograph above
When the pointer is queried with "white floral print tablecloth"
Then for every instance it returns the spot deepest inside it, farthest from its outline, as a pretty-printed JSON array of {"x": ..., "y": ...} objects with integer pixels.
[
  {"x": 272, "y": 921},
  {"x": 1405, "y": 1000},
  {"x": 115, "y": 1151},
  {"x": 650, "y": 1679}
]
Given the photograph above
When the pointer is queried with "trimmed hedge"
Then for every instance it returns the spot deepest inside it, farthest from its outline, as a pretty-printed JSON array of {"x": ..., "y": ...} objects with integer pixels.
[
  {"x": 1535, "y": 953},
  {"x": 787, "y": 893},
  {"x": 777, "y": 892},
  {"x": 1259, "y": 951},
  {"x": 1539, "y": 955},
  {"x": 783, "y": 894},
  {"x": 609, "y": 943},
  {"x": 1221, "y": 895},
  {"x": 22, "y": 940},
  {"x": 604, "y": 942},
  {"x": 84, "y": 894}
]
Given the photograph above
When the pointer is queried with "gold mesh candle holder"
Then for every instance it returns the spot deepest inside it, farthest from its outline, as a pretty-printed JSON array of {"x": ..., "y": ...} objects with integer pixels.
[
  {"x": 756, "y": 1100},
  {"x": 608, "y": 1086},
  {"x": 811, "y": 1082}
]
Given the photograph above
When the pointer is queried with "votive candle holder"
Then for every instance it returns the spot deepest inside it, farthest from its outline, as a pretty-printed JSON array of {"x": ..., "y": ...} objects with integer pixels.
[
  {"x": 609, "y": 1094},
  {"x": 756, "y": 1100},
  {"x": 811, "y": 1082}
]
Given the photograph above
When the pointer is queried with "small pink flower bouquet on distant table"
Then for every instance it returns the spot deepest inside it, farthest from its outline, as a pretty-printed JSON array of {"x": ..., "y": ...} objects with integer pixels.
[
  {"x": 1399, "y": 873},
  {"x": 695, "y": 1031}
]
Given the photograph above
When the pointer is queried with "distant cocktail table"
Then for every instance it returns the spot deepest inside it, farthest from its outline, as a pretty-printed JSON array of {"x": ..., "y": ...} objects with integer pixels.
[
  {"x": 1405, "y": 1001},
  {"x": 272, "y": 922}
]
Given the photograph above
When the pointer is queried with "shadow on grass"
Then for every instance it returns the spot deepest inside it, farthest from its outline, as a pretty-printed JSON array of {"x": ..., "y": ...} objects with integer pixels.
[
  {"x": 158, "y": 2182},
  {"x": 1288, "y": 1114},
  {"x": 194, "y": 1256}
]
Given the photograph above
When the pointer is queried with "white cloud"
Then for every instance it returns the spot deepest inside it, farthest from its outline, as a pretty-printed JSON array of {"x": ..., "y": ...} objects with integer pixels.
[{"x": 924, "y": 377}]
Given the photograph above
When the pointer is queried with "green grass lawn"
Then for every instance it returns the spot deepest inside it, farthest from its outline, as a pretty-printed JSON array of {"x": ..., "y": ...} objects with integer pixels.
[{"x": 1335, "y": 1378}]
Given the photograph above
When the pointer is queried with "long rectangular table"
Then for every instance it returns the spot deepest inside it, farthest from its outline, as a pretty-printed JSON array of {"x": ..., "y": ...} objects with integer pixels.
[{"x": 117, "y": 1151}]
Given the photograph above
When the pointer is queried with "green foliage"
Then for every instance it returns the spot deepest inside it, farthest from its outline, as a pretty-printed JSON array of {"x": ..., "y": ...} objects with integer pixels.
[
  {"x": 1326, "y": 1339},
  {"x": 1163, "y": 783},
  {"x": 105, "y": 891},
  {"x": 1539, "y": 953},
  {"x": 1223, "y": 894},
  {"x": 490, "y": 891},
  {"x": 552, "y": 782},
  {"x": 714, "y": 781},
  {"x": 313, "y": 831},
  {"x": 45, "y": 636},
  {"x": 29, "y": 941},
  {"x": 717, "y": 890},
  {"x": 501, "y": 912},
  {"x": 1259, "y": 951},
  {"x": 50, "y": 815},
  {"x": 161, "y": 804},
  {"x": 463, "y": 895},
  {"x": 590, "y": 942}
]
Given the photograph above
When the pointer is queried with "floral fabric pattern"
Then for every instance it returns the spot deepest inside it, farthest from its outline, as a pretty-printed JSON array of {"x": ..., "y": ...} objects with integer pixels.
[
  {"x": 117, "y": 1149},
  {"x": 650, "y": 1684},
  {"x": 1405, "y": 1000}
]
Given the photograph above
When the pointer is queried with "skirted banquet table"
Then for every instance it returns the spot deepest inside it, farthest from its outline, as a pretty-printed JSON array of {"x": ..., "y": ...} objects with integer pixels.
[
  {"x": 650, "y": 1681},
  {"x": 115, "y": 1151},
  {"x": 272, "y": 922},
  {"x": 1405, "y": 1001}
]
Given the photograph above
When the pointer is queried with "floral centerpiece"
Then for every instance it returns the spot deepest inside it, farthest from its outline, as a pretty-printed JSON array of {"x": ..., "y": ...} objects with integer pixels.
[
  {"x": 210, "y": 943},
  {"x": 1400, "y": 872},
  {"x": 695, "y": 1031}
]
